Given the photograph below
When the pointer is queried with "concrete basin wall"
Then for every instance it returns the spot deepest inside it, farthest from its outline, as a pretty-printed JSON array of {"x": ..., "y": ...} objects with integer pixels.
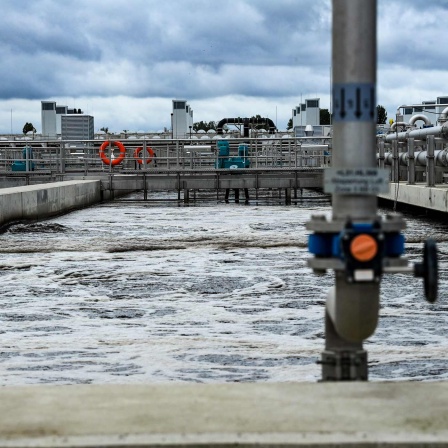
[
  {"x": 362, "y": 415},
  {"x": 42, "y": 201},
  {"x": 430, "y": 198}
]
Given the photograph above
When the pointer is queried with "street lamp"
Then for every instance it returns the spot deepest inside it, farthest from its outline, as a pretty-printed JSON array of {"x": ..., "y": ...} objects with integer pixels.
[{"x": 190, "y": 131}]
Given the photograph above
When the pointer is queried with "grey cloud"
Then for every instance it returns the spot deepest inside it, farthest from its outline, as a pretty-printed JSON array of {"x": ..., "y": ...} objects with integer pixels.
[
  {"x": 200, "y": 49},
  {"x": 77, "y": 48}
]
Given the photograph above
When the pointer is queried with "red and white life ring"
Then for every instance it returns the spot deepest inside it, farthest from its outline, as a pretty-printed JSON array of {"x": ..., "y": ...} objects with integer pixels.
[
  {"x": 115, "y": 161},
  {"x": 150, "y": 152}
]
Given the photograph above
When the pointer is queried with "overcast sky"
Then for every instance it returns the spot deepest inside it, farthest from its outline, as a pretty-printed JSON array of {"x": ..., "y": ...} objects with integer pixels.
[{"x": 123, "y": 61}]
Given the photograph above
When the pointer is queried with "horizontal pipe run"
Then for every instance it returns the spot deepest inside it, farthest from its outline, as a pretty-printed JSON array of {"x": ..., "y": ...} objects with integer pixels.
[{"x": 419, "y": 134}]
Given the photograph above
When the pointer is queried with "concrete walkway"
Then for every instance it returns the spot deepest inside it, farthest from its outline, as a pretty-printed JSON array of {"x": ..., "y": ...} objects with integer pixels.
[{"x": 263, "y": 415}]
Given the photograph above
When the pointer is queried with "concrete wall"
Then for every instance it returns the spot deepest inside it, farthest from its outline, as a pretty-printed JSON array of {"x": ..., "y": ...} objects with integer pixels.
[
  {"x": 42, "y": 201},
  {"x": 362, "y": 415},
  {"x": 430, "y": 198}
]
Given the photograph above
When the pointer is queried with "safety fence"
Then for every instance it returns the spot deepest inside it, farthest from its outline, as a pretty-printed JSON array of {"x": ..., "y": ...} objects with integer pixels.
[{"x": 130, "y": 155}]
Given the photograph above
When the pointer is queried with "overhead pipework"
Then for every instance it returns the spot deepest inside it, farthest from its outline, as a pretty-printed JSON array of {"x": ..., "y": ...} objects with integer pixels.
[
  {"x": 421, "y": 117},
  {"x": 419, "y": 134},
  {"x": 357, "y": 243},
  {"x": 246, "y": 123}
]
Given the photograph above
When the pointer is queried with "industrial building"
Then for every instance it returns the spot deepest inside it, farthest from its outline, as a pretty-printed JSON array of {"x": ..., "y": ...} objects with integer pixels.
[
  {"x": 429, "y": 109},
  {"x": 307, "y": 113},
  {"x": 48, "y": 117},
  {"x": 70, "y": 124},
  {"x": 182, "y": 119}
]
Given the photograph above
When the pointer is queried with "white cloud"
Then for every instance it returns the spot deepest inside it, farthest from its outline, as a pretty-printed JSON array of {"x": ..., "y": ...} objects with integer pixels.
[{"x": 125, "y": 60}]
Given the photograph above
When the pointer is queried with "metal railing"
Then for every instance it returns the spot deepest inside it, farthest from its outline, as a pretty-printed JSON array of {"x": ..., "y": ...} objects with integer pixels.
[{"x": 60, "y": 157}]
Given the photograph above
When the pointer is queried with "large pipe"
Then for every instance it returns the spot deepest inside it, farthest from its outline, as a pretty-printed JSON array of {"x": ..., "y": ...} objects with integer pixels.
[
  {"x": 419, "y": 134},
  {"x": 246, "y": 122},
  {"x": 440, "y": 158},
  {"x": 397, "y": 123},
  {"x": 418, "y": 117}
]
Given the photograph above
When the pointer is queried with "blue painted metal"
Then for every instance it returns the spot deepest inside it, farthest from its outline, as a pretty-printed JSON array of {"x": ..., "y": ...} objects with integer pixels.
[
  {"x": 329, "y": 244},
  {"x": 20, "y": 165},
  {"x": 226, "y": 162}
]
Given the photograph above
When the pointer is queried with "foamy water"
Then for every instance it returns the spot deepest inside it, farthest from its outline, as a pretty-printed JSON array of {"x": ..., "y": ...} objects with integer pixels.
[{"x": 151, "y": 292}]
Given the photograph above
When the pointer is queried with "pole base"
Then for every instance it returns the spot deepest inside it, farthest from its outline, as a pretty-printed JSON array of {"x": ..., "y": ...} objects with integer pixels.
[{"x": 346, "y": 365}]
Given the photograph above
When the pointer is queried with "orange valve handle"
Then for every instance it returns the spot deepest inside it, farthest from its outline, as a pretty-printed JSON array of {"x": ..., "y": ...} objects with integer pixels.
[
  {"x": 150, "y": 155},
  {"x": 104, "y": 147},
  {"x": 363, "y": 248}
]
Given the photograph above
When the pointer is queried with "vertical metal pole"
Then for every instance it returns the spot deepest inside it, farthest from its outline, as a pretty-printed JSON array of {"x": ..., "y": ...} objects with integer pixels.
[
  {"x": 354, "y": 64},
  {"x": 27, "y": 158},
  {"x": 110, "y": 156},
  {"x": 381, "y": 154},
  {"x": 256, "y": 153},
  {"x": 289, "y": 153},
  {"x": 352, "y": 309},
  {"x": 430, "y": 165},
  {"x": 395, "y": 162},
  {"x": 411, "y": 161}
]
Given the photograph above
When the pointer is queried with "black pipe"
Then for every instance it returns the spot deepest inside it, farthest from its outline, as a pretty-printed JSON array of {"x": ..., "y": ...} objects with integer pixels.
[{"x": 246, "y": 122}]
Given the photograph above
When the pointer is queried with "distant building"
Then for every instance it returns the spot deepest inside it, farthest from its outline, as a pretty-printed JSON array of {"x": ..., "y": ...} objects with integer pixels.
[
  {"x": 71, "y": 124},
  {"x": 307, "y": 113},
  {"x": 60, "y": 110},
  {"x": 182, "y": 119},
  {"x": 48, "y": 117},
  {"x": 77, "y": 127},
  {"x": 312, "y": 111},
  {"x": 444, "y": 101}
]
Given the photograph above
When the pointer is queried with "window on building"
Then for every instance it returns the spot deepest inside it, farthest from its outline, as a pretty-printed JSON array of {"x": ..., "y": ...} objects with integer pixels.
[
  {"x": 312, "y": 103},
  {"x": 48, "y": 106},
  {"x": 179, "y": 104}
]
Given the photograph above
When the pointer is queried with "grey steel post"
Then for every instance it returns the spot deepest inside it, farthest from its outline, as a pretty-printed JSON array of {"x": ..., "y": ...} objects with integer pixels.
[
  {"x": 110, "y": 151},
  {"x": 62, "y": 158},
  {"x": 381, "y": 154},
  {"x": 27, "y": 158},
  {"x": 144, "y": 154},
  {"x": 395, "y": 162},
  {"x": 411, "y": 161},
  {"x": 430, "y": 165},
  {"x": 355, "y": 241},
  {"x": 177, "y": 154},
  {"x": 352, "y": 309},
  {"x": 289, "y": 154}
]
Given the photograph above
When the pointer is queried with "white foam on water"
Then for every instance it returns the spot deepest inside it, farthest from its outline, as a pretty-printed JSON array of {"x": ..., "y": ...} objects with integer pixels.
[{"x": 131, "y": 292}]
